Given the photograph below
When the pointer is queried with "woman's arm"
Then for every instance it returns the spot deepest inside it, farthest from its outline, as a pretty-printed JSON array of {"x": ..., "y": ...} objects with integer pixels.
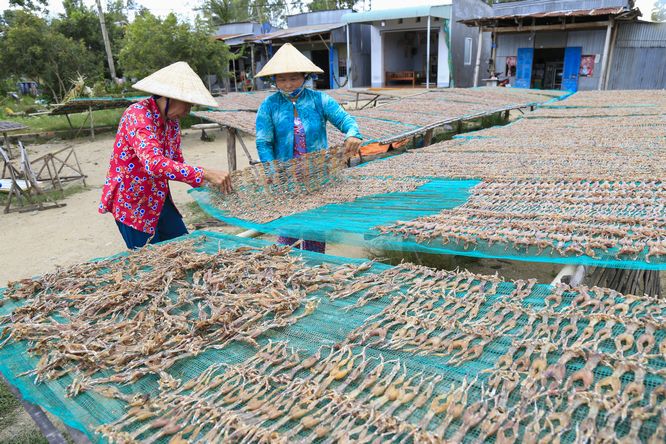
[
  {"x": 265, "y": 134},
  {"x": 342, "y": 120}
]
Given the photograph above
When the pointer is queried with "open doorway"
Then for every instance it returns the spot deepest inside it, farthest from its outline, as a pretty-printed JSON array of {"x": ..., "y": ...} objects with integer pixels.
[
  {"x": 405, "y": 54},
  {"x": 548, "y": 68},
  {"x": 320, "y": 58}
]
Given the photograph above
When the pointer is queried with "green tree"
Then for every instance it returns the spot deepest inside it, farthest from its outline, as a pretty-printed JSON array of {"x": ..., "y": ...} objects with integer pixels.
[
  {"x": 152, "y": 43},
  {"x": 324, "y": 5},
  {"x": 31, "y": 48},
  {"x": 81, "y": 23},
  {"x": 659, "y": 11},
  {"x": 29, "y": 5},
  {"x": 220, "y": 12},
  {"x": 271, "y": 11}
]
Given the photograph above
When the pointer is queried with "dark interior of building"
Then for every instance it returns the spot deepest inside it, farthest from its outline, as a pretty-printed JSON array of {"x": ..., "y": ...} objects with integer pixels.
[
  {"x": 547, "y": 68},
  {"x": 320, "y": 58}
]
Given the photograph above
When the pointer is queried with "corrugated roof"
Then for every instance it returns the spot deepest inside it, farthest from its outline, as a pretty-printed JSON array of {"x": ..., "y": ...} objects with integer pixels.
[
  {"x": 554, "y": 14},
  {"x": 576, "y": 13},
  {"x": 298, "y": 31},
  {"x": 231, "y": 36},
  {"x": 442, "y": 11}
]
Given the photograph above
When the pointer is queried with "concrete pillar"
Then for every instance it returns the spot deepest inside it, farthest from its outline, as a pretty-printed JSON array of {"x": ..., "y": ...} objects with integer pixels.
[
  {"x": 477, "y": 65},
  {"x": 428, "y": 55},
  {"x": 349, "y": 65},
  {"x": 376, "y": 57},
  {"x": 443, "y": 68}
]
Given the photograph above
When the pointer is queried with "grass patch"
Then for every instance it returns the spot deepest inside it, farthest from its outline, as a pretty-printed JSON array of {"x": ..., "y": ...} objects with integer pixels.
[
  {"x": 8, "y": 405},
  {"x": 50, "y": 195},
  {"x": 106, "y": 117},
  {"x": 27, "y": 437}
]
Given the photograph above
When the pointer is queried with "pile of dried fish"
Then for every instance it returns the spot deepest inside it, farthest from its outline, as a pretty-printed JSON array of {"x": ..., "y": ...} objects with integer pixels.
[
  {"x": 579, "y": 364},
  {"x": 140, "y": 314},
  {"x": 276, "y": 189},
  {"x": 562, "y": 364},
  {"x": 568, "y": 147},
  {"x": 535, "y": 363},
  {"x": 244, "y": 121},
  {"x": 303, "y": 174},
  {"x": 618, "y": 111},
  {"x": 525, "y": 150},
  {"x": 249, "y": 101},
  {"x": 263, "y": 208},
  {"x": 625, "y": 220},
  {"x": 280, "y": 395},
  {"x": 613, "y": 98}
]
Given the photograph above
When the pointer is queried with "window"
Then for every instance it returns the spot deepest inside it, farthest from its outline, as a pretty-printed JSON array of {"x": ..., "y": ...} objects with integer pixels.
[
  {"x": 342, "y": 67},
  {"x": 468, "y": 50}
]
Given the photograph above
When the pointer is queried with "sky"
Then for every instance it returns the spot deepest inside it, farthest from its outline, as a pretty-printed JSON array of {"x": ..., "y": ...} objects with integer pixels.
[{"x": 187, "y": 9}]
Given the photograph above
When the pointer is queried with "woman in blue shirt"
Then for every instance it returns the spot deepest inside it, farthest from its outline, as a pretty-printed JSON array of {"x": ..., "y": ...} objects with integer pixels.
[{"x": 292, "y": 121}]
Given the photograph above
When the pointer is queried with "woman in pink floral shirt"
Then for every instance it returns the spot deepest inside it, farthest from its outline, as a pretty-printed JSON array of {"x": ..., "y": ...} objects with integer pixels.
[{"x": 147, "y": 154}]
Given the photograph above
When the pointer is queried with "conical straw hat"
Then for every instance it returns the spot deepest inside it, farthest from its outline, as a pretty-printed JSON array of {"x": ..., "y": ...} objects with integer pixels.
[
  {"x": 177, "y": 81},
  {"x": 288, "y": 59}
]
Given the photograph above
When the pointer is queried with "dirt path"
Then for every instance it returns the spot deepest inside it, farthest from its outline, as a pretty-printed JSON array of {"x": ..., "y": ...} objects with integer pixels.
[{"x": 36, "y": 242}]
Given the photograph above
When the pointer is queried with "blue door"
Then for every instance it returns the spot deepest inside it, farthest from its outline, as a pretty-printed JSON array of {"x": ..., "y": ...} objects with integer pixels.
[
  {"x": 572, "y": 57},
  {"x": 524, "y": 67}
]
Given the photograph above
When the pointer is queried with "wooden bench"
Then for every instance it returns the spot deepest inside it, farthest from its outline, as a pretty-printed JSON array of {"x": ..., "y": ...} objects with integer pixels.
[{"x": 401, "y": 75}]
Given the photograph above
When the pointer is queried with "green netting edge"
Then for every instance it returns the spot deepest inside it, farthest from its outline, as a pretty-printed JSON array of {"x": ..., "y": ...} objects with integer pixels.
[
  {"x": 355, "y": 223},
  {"x": 66, "y": 409},
  {"x": 312, "y": 331}
]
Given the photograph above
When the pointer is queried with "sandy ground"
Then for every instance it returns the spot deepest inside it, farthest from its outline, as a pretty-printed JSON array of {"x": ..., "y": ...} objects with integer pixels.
[{"x": 36, "y": 242}]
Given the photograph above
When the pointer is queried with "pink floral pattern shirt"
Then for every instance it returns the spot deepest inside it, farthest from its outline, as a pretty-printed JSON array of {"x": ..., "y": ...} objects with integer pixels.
[{"x": 146, "y": 155}]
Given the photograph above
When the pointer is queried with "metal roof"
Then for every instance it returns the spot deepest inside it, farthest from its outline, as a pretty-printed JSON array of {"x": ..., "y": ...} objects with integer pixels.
[
  {"x": 442, "y": 11},
  {"x": 298, "y": 31},
  {"x": 631, "y": 13},
  {"x": 579, "y": 12},
  {"x": 231, "y": 36}
]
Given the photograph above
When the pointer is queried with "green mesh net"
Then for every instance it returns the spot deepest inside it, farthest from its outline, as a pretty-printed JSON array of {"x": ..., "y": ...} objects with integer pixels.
[{"x": 501, "y": 329}]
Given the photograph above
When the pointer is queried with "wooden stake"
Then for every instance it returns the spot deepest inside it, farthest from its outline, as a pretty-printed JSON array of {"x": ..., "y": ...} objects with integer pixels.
[{"x": 231, "y": 149}]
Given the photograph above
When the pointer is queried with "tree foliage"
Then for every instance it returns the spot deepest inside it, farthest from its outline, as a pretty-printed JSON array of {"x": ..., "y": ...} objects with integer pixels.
[
  {"x": 659, "y": 11},
  {"x": 221, "y": 12},
  {"x": 324, "y": 5},
  {"x": 81, "y": 23},
  {"x": 29, "y": 5},
  {"x": 31, "y": 48},
  {"x": 152, "y": 43}
]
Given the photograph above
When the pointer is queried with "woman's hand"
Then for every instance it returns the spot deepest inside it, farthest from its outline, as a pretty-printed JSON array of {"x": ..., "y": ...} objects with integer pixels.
[
  {"x": 352, "y": 146},
  {"x": 219, "y": 179}
]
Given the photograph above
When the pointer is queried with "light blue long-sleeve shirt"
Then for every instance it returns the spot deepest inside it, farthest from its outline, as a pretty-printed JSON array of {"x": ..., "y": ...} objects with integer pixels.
[{"x": 275, "y": 123}]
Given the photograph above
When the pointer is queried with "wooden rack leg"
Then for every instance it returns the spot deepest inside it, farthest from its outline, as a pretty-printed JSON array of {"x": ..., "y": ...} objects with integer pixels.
[
  {"x": 427, "y": 139},
  {"x": 231, "y": 149}
]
